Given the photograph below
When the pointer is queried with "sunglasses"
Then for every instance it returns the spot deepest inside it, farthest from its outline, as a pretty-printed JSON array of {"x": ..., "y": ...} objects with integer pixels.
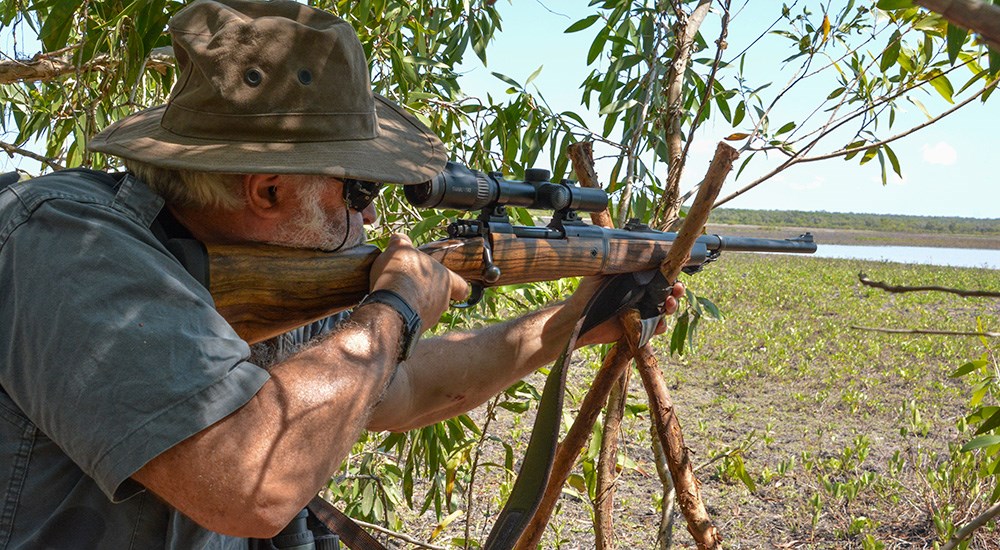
[{"x": 358, "y": 194}]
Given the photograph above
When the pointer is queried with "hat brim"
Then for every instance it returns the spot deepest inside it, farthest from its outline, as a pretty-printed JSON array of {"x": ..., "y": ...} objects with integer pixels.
[{"x": 404, "y": 152}]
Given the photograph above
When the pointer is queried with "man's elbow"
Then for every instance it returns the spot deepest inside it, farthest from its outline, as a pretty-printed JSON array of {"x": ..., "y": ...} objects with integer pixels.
[{"x": 253, "y": 518}]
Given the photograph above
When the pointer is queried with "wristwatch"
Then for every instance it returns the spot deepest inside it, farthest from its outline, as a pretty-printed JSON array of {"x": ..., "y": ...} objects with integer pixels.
[{"x": 411, "y": 320}]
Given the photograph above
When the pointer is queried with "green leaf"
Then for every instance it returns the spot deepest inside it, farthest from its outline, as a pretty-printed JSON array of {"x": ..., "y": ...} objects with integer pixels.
[
  {"x": 992, "y": 422},
  {"x": 981, "y": 441},
  {"x": 58, "y": 23},
  {"x": 967, "y": 368},
  {"x": 679, "y": 335},
  {"x": 597, "y": 46},
  {"x": 894, "y": 4},
  {"x": 533, "y": 75},
  {"x": 893, "y": 160},
  {"x": 785, "y": 129},
  {"x": 956, "y": 39},
  {"x": 507, "y": 79},
  {"x": 617, "y": 106},
  {"x": 741, "y": 111},
  {"x": 582, "y": 24},
  {"x": 940, "y": 82},
  {"x": 869, "y": 154},
  {"x": 891, "y": 53}
]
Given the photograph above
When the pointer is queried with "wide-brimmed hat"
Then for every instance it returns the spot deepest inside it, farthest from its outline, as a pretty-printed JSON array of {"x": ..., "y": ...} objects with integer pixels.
[{"x": 277, "y": 88}]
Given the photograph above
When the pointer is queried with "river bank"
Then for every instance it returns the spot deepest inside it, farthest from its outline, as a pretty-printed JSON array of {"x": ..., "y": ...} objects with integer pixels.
[{"x": 861, "y": 237}]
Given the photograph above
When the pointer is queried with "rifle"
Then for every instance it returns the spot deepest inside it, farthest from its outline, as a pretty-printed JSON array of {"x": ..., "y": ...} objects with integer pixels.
[{"x": 264, "y": 290}]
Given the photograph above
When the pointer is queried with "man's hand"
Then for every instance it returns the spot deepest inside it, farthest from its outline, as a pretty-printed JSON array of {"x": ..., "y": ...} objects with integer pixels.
[
  {"x": 424, "y": 283},
  {"x": 611, "y": 330}
]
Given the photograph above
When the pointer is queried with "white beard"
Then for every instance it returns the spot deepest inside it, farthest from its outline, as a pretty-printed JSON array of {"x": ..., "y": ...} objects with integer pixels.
[{"x": 316, "y": 228}]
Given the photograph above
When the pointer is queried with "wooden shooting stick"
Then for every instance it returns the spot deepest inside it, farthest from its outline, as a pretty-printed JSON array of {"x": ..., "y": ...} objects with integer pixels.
[{"x": 614, "y": 368}]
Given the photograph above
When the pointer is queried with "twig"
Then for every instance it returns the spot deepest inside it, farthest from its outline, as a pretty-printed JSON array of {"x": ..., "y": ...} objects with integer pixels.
[
  {"x": 928, "y": 331},
  {"x": 843, "y": 152},
  {"x": 968, "y": 528},
  {"x": 607, "y": 474},
  {"x": 12, "y": 150},
  {"x": 665, "y": 532},
  {"x": 863, "y": 279},
  {"x": 405, "y": 538}
]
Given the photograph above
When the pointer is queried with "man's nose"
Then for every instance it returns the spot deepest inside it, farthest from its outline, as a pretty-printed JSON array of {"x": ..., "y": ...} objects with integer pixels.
[{"x": 368, "y": 215}]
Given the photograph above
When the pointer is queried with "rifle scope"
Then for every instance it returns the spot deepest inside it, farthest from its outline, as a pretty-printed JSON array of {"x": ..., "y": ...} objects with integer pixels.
[{"x": 461, "y": 188}]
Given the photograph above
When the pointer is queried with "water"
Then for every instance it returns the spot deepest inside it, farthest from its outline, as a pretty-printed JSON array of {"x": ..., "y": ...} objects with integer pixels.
[{"x": 958, "y": 257}]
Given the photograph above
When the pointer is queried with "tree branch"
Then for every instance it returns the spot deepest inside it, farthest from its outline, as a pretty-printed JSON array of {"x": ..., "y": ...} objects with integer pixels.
[
  {"x": 968, "y": 528},
  {"x": 928, "y": 331},
  {"x": 12, "y": 150},
  {"x": 400, "y": 536},
  {"x": 50, "y": 66},
  {"x": 979, "y": 17},
  {"x": 863, "y": 279},
  {"x": 843, "y": 152}
]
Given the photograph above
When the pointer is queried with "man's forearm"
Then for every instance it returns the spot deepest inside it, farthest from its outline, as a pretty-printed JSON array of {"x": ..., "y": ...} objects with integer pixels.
[{"x": 456, "y": 372}]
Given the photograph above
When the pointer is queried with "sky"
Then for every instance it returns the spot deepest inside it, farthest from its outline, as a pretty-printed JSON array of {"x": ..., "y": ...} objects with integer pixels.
[{"x": 948, "y": 168}]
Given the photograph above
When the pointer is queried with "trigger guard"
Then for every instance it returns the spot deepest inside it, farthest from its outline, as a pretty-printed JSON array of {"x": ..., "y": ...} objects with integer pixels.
[{"x": 475, "y": 295}]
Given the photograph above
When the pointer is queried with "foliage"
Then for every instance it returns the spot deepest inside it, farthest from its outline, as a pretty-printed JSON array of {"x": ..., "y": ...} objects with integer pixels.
[{"x": 985, "y": 414}]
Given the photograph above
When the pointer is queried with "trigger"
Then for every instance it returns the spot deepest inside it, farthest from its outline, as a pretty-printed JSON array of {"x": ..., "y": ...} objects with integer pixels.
[{"x": 475, "y": 296}]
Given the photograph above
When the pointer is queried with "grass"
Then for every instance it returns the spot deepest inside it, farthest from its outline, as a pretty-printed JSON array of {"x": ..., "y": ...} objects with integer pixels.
[{"x": 849, "y": 438}]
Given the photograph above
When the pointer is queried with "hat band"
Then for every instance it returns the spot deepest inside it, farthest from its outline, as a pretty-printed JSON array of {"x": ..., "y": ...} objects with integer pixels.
[{"x": 270, "y": 127}]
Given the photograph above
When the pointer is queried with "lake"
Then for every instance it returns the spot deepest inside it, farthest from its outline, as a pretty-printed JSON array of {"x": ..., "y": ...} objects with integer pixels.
[{"x": 958, "y": 257}]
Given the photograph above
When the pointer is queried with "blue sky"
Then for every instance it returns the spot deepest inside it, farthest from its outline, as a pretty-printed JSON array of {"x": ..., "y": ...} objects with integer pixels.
[{"x": 949, "y": 169}]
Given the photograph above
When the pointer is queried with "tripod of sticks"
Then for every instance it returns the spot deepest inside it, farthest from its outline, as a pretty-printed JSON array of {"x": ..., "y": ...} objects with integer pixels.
[{"x": 612, "y": 379}]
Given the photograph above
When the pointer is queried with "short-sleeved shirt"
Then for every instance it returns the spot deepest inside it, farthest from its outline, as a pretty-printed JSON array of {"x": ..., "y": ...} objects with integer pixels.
[{"x": 110, "y": 353}]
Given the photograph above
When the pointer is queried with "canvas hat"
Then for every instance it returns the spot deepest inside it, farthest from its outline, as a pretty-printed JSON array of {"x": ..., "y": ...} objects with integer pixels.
[{"x": 275, "y": 88}]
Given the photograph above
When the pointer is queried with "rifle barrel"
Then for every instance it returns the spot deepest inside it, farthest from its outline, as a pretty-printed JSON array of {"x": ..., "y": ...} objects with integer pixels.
[{"x": 803, "y": 244}]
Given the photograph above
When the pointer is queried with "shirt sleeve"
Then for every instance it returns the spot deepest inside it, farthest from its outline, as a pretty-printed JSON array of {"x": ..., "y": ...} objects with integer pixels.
[{"x": 108, "y": 345}]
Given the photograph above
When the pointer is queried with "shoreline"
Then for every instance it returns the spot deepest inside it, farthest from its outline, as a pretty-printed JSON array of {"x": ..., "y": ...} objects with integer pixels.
[{"x": 861, "y": 237}]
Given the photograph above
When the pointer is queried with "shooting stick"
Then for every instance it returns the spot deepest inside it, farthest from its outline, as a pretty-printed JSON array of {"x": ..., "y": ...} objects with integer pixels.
[
  {"x": 975, "y": 15},
  {"x": 661, "y": 407}
]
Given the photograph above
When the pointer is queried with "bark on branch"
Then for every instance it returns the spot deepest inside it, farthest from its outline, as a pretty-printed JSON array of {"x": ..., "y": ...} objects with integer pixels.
[
  {"x": 927, "y": 331},
  {"x": 979, "y": 17},
  {"x": 863, "y": 279},
  {"x": 45, "y": 67}
]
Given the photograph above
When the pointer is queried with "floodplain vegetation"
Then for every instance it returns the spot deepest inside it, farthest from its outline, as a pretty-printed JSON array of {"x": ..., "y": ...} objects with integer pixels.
[{"x": 807, "y": 431}]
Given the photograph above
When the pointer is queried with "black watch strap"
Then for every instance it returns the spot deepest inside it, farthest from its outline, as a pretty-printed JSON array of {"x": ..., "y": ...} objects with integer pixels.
[{"x": 411, "y": 320}]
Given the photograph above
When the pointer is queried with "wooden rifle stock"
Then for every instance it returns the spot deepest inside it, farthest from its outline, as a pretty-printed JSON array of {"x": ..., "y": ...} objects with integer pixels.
[{"x": 263, "y": 291}]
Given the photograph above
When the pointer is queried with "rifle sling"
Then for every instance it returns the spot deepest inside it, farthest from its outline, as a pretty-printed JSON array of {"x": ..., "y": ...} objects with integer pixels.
[
  {"x": 350, "y": 533},
  {"x": 644, "y": 291}
]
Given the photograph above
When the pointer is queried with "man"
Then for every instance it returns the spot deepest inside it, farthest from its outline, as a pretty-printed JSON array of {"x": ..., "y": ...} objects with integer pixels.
[{"x": 133, "y": 417}]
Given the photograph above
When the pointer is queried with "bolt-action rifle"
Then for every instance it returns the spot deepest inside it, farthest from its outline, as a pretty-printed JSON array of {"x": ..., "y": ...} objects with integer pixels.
[{"x": 266, "y": 290}]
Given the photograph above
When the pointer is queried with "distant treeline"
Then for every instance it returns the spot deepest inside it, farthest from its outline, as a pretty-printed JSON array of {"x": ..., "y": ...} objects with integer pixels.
[{"x": 872, "y": 222}]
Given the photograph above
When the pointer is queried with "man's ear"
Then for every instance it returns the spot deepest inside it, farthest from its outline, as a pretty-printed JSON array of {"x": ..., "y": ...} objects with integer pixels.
[{"x": 266, "y": 195}]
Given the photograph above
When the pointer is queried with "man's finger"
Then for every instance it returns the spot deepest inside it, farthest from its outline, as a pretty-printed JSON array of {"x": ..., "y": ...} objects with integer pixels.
[{"x": 459, "y": 287}]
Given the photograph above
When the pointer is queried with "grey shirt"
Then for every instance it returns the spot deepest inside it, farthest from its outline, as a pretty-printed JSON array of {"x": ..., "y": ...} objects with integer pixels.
[{"x": 110, "y": 353}]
